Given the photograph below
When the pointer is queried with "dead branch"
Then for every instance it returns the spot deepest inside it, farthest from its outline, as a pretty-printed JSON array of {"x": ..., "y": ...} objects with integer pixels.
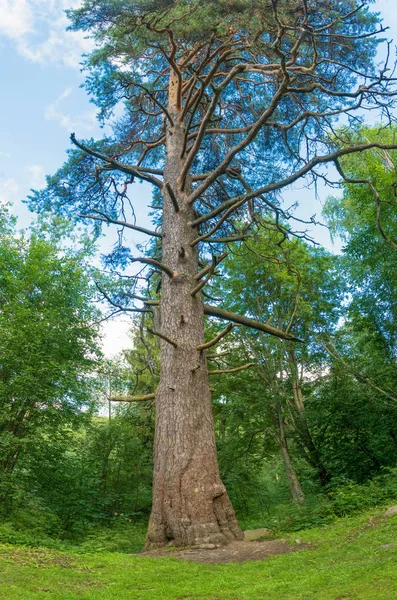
[
  {"x": 116, "y": 165},
  {"x": 173, "y": 197},
  {"x": 216, "y": 339},
  {"x": 107, "y": 219},
  {"x": 162, "y": 336},
  {"x": 132, "y": 398},
  {"x": 235, "y": 370},
  {"x": 214, "y": 311},
  {"x": 218, "y": 355},
  {"x": 274, "y": 186},
  {"x": 217, "y": 260},
  {"x": 155, "y": 263}
]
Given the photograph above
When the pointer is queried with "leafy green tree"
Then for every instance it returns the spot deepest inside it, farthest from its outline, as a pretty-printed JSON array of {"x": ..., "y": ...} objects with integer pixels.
[
  {"x": 352, "y": 422},
  {"x": 363, "y": 352},
  {"x": 292, "y": 286},
  {"x": 223, "y": 105},
  {"x": 48, "y": 344},
  {"x": 365, "y": 218}
]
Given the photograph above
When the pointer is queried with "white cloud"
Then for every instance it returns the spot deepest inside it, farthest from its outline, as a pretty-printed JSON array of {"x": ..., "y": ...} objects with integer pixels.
[
  {"x": 38, "y": 29},
  {"x": 9, "y": 190},
  {"x": 83, "y": 122},
  {"x": 15, "y": 18}
]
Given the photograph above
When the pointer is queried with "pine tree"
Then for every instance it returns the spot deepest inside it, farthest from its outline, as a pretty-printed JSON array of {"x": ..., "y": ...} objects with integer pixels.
[{"x": 225, "y": 104}]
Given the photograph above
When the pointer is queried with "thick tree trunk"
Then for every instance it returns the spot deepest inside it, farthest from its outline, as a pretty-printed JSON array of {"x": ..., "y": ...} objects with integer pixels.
[
  {"x": 293, "y": 481},
  {"x": 190, "y": 503}
]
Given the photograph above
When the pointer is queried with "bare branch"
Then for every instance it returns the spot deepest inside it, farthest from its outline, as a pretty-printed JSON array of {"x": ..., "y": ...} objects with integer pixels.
[
  {"x": 173, "y": 197},
  {"x": 271, "y": 187},
  {"x": 106, "y": 219},
  {"x": 204, "y": 271},
  {"x": 132, "y": 398},
  {"x": 218, "y": 355},
  {"x": 118, "y": 305},
  {"x": 220, "y": 169},
  {"x": 116, "y": 165},
  {"x": 162, "y": 336},
  {"x": 207, "y": 235},
  {"x": 217, "y": 338},
  {"x": 235, "y": 370},
  {"x": 156, "y": 101},
  {"x": 210, "y": 270},
  {"x": 226, "y": 240},
  {"x": 155, "y": 263},
  {"x": 214, "y": 311}
]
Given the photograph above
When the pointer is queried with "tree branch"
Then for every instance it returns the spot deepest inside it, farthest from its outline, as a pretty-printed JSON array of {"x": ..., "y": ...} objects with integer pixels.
[
  {"x": 214, "y": 311},
  {"x": 106, "y": 219},
  {"x": 173, "y": 197},
  {"x": 235, "y": 370},
  {"x": 219, "y": 313},
  {"x": 155, "y": 263},
  {"x": 217, "y": 338},
  {"x": 117, "y": 305},
  {"x": 220, "y": 169},
  {"x": 226, "y": 240},
  {"x": 271, "y": 187},
  {"x": 218, "y": 355},
  {"x": 208, "y": 268},
  {"x": 162, "y": 336},
  {"x": 132, "y": 398},
  {"x": 116, "y": 165}
]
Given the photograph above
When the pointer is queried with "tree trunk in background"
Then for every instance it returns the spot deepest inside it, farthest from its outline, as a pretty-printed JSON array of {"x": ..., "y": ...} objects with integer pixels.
[
  {"x": 312, "y": 453},
  {"x": 190, "y": 503},
  {"x": 293, "y": 481},
  {"x": 302, "y": 428}
]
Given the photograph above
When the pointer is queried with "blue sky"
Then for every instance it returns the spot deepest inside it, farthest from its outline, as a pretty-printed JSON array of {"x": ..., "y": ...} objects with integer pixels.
[{"x": 42, "y": 103}]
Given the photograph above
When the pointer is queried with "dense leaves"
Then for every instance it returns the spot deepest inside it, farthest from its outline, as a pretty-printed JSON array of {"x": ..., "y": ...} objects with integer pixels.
[{"x": 48, "y": 344}]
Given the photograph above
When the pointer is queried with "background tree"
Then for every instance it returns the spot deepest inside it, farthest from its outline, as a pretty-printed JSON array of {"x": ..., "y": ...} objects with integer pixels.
[
  {"x": 48, "y": 345},
  {"x": 292, "y": 286},
  {"x": 209, "y": 91},
  {"x": 363, "y": 353}
]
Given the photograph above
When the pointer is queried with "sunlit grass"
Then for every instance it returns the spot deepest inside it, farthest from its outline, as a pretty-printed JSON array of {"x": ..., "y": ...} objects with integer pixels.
[{"x": 346, "y": 561}]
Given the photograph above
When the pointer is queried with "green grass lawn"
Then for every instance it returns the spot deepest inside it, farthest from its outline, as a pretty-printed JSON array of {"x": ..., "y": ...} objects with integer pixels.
[{"x": 347, "y": 561}]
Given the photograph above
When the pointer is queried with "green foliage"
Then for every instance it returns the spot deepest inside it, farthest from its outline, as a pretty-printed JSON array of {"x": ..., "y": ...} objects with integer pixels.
[
  {"x": 365, "y": 218},
  {"x": 48, "y": 349},
  {"x": 105, "y": 468},
  {"x": 353, "y": 498},
  {"x": 36, "y": 530}
]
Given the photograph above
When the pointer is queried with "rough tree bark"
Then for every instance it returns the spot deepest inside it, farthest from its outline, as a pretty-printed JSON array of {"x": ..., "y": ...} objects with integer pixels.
[{"x": 190, "y": 503}]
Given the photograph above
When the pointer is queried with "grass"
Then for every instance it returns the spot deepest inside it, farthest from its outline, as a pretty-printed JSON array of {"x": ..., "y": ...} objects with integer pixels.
[{"x": 346, "y": 561}]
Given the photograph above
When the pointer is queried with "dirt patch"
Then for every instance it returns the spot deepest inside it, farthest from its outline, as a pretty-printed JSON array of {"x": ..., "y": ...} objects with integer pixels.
[{"x": 234, "y": 552}]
